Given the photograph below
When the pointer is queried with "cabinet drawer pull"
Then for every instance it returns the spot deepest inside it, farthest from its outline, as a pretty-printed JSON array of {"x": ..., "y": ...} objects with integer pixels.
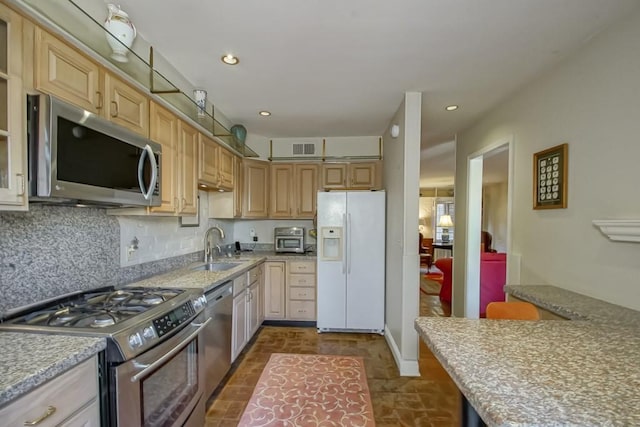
[
  {"x": 114, "y": 111},
  {"x": 22, "y": 187},
  {"x": 100, "y": 100},
  {"x": 50, "y": 411}
]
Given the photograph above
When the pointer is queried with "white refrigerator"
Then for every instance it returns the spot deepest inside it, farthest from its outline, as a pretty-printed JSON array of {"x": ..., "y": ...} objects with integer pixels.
[{"x": 351, "y": 261}]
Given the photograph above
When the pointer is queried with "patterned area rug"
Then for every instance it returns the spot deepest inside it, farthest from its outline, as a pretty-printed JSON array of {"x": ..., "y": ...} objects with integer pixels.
[{"x": 310, "y": 390}]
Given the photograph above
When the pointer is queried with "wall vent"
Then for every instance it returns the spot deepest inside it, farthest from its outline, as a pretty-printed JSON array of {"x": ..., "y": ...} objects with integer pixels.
[{"x": 303, "y": 149}]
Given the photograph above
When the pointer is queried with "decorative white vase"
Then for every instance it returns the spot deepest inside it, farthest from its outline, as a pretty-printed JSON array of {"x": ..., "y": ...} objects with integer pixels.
[
  {"x": 120, "y": 32},
  {"x": 201, "y": 102}
]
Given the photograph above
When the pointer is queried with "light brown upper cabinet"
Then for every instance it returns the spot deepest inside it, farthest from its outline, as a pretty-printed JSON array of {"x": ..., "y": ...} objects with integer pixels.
[
  {"x": 238, "y": 188},
  {"x": 307, "y": 180},
  {"x": 216, "y": 165},
  {"x": 282, "y": 192},
  {"x": 178, "y": 162},
  {"x": 13, "y": 162},
  {"x": 228, "y": 204},
  {"x": 188, "y": 168},
  {"x": 125, "y": 105},
  {"x": 293, "y": 190},
  {"x": 255, "y": 201},
  {"x": 164, "y": 130},
  {"x": 356, "y": 175},
  {"x": 65, "y": 72}
]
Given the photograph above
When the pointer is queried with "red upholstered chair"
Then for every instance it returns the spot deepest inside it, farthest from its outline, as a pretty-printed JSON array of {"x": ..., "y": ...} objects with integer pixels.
[
  {"x": 493, "y": 276},
  {"x": 445, "y": 265}
]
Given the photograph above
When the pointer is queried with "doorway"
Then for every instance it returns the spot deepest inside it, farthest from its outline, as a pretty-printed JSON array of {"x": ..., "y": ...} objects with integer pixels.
[{"x": 489, "y": 201}]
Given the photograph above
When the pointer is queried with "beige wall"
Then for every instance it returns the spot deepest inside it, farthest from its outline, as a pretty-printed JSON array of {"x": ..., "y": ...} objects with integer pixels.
[
  {"x": 401, "y": 171},
  {"x": 494, "y": 218},
  {"x": 592, "y": 102}
]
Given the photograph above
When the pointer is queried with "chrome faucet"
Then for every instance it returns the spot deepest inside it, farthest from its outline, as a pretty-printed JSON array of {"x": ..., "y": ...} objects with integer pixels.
[{"x": 208, "y": 255}]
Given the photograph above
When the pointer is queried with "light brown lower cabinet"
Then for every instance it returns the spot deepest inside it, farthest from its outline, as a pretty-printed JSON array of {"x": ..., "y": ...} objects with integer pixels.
[
  {"x": 73, "y": 395},
  {"x": 301, "y": 290},
  {"x": 290, "y": 290},
  {"x": 274, "y": 290}
]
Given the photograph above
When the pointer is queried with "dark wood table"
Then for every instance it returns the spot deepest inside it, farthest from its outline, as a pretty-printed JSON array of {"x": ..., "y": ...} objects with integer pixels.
[{"x": 444, "y": 246}]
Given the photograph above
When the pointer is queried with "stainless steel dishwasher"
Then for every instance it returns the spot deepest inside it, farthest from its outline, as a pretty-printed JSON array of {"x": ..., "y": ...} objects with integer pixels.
[{"x": 217, "y": 335}]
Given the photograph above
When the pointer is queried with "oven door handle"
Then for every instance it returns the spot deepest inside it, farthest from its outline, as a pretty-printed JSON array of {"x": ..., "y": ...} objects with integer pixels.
[{"x": 170, "y": 353}]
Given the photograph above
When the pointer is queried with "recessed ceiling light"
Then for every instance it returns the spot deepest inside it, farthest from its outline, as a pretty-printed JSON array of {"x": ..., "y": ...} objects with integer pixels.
[
  {"x": 264, "y": 113},
  {"x": 229, "y": 59},
  {"x": 451, "y": 107}
]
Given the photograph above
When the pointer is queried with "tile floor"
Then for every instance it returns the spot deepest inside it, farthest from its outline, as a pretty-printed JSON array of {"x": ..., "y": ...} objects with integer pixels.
[{"x": 429, "y": 400}]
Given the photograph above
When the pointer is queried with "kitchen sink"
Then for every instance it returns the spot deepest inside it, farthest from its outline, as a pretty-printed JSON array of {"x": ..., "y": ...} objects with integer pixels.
[{"x": 216, "y": 266}]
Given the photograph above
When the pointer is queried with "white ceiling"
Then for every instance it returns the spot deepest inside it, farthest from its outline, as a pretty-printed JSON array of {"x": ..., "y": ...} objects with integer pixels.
[{"x": 340, "y": 68}]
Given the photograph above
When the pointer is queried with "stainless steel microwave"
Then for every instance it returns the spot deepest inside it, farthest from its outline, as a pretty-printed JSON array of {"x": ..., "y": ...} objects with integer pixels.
[{"x": 77, "y": 157}]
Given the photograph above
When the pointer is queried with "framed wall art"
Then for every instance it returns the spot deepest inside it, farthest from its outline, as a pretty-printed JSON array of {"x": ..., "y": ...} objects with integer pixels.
[{"x": 550, "y": 178}]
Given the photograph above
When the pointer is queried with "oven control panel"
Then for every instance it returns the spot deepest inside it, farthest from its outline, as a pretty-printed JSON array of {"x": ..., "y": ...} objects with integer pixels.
[{"x": 168, "y": 322}]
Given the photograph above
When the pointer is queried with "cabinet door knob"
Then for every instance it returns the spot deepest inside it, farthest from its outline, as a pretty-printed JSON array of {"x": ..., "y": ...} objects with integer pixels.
[{"x": 50, "y": 411}]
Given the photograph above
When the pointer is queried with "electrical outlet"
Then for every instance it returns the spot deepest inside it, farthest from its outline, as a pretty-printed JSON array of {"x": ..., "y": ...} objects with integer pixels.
[
  {"x": 131, "y": 253},
  {"x": 255, "y": 238},
  {"x": 252, "y": 233}
]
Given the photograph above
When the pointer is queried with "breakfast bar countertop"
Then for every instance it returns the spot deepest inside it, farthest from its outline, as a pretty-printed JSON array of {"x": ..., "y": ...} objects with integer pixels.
[
  {"x": 550, "y": 372},
  {"x": 573, "y": 305},
  {"x": 29, "y": 360}
]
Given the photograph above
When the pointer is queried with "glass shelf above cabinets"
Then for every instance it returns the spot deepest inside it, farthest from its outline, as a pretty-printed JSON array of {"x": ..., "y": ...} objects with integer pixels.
[{"x": 82, "y": 23}]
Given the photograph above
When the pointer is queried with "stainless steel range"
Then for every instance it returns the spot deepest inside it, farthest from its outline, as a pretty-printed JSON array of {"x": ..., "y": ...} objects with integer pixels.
[{"x": 151, "y": 372}]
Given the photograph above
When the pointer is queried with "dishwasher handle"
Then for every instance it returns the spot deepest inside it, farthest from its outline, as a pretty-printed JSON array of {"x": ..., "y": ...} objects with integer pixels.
[{"x": 215, "y": 296}]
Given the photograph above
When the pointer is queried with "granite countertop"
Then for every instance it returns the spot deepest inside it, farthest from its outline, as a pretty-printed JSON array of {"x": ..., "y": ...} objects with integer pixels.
[
  {"x": 582, "y": 372},
  {"x": 29, "y": 360},
  {"x": 575, "y": 306},
  {"x": 206, "y": 280}
]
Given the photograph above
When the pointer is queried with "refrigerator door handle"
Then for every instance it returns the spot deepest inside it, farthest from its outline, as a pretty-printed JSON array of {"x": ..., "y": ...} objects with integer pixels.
[
  {"x": 349, "y": 243},
  {"x": 344, "y": 244}
]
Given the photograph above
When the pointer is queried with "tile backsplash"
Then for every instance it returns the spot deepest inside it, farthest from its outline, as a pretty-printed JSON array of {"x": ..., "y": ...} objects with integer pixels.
[{"x": 53, "y": 250}]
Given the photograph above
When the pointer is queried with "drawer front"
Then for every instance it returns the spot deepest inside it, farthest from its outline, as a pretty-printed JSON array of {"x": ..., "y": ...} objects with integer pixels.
[
  {"x": 302, "y": 310},
  {"x": 67, "y": 393},
  {"x": 302, "y": 267},
  {"x": 302, "y": 280},
  {"x": 254, "y": 273},
  {"x": 88, "y": 417},
  {"x": 239, "y": 284},
  {"x": 297, "y": 293}
]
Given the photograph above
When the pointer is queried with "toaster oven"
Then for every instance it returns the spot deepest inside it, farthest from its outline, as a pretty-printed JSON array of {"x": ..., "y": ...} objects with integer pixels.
[{"x": 289, "y": 239}]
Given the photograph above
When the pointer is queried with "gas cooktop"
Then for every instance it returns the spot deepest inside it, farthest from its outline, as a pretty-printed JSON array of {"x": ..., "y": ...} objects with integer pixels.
[
  {"x": 98, "y": 309},
  {"x": 132, "y": 319}
]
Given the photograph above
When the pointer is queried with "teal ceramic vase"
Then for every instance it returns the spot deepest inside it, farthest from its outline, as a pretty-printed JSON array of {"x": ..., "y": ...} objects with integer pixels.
[{"x": 239, "y": 133}]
